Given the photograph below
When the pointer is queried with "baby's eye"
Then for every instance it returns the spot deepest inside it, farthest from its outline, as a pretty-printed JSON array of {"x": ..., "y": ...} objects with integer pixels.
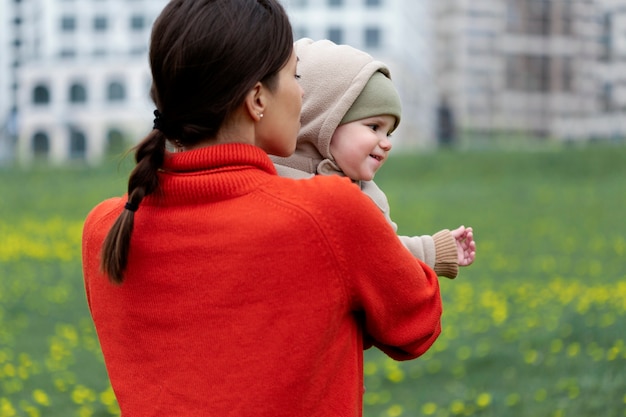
[
  {"x": 298, "y": 76},
  {"x": 374, "y": 127}
]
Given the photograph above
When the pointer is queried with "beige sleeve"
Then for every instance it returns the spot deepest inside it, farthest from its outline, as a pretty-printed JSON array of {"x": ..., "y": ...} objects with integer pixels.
[{"x": 446, "y": 257}]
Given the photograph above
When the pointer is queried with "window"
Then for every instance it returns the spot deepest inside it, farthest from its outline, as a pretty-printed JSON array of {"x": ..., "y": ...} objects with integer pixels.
[
  {"x": 68, "y": 23},
  {"x": 300, "y": 32},
  {"x": 529, "y": 16},
  {"x": 41, "y": 95},
  {"x": 567, "y": 74},
  {"x": 115, "y": 142},
  {"x": 335, "y": 35},
  {"x": 606, "y": 97},
  {"x": 78, "y": 144},
  {"x": 335, "y": 3},
  {"x": 138, "y": 50},
  {"x": 116, "y": 91},
  {"x": 67, "y": 53},
  {"x": 373, "y": 3},
  {"x": 41, "y": 144},
  {"x": 372, "y": 38},
  {"x": 529, "y": 73},
  {"x": 137, "y": 22},
  {"x": 78, "y": 93},
  {"x": 100, "y": 23}
]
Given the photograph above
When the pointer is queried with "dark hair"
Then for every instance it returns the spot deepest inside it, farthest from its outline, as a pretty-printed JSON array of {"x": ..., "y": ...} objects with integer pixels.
[{"x": 205, "y": 56}]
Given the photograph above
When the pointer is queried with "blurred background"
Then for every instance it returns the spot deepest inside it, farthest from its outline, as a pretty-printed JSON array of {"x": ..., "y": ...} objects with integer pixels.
[
  {"x": 513, "y": 124},
  {"x": 74, "y": 75}
]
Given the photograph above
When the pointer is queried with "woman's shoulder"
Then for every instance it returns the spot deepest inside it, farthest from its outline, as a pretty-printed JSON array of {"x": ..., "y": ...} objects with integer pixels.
[
  {"x": 329, "y": 193},
  {"x": 107, "y": 209}
]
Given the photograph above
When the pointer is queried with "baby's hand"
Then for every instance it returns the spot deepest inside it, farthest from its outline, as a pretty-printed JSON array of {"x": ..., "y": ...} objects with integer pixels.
[{"x": 465, "y": 245}]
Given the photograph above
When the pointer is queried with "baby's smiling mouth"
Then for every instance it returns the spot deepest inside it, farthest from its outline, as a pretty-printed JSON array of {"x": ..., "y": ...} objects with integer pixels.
[{"x": 376, "y": 157}]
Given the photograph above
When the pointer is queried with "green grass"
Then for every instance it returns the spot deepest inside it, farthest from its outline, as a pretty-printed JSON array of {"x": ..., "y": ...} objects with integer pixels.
[{"x": 534, "y": 328}]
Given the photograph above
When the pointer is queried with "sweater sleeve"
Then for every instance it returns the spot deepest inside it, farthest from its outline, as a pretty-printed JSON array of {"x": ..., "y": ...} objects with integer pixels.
[{"x": 396, "y": 295}]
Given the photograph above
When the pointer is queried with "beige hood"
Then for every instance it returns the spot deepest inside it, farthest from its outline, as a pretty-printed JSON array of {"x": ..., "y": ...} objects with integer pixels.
[{"x": 332, "y": 77}]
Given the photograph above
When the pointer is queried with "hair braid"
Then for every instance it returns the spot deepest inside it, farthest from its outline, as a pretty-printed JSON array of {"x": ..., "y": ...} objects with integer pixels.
[{"x": 149, "y": 154}]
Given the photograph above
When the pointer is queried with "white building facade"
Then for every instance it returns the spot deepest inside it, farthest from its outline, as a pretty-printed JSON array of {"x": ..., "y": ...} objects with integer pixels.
[
  {"x": 82, "y": 80},
  {"x": 83, "y": 77},
  {"x": 74, "y": 75}
]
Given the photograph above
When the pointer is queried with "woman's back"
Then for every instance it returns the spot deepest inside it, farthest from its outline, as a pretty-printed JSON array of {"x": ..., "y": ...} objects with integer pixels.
[{"x": 242, "y": 295}]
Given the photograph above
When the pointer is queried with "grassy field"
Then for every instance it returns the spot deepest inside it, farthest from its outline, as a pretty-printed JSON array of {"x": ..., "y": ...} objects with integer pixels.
[{"x": 535, "y": 328}]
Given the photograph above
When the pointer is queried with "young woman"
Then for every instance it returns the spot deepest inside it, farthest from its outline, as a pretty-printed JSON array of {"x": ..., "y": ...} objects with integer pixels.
[{"x": 218, "y": 288}]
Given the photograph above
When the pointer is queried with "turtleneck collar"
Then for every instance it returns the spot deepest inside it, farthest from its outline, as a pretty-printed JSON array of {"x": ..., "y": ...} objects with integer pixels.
[
  {"x": 217, "y": 157},
  {"x": 211, "y": 173}
]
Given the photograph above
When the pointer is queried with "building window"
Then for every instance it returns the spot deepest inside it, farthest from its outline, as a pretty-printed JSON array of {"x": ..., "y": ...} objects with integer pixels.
[
  {"x": 529, "y": 16},
  {"x": 68, "y": 23},
  {"x": 115, "y": 142},
  {"x": 606, "y": 97},
  {"x": 137, "y": 23},
  {"x": 372, "y": 38},
  {"x": 299, "y": 3},
  {"x": 41, "y": 145},
  {"x": 335, "y": 3},
  {"x": 100, "y": 23},
  {"x": 373, "y": 3},
  {"x": 67, "y": 53},
  {"x": 138, "y": 50},
  {"x": 606, "y": 37},
  {"x": 41, "y": 95},
  {"x": 116, "y": 91},
  {"x": 78, "y": 144},
  {"x": 335, "y": 35},
  {"x": 300, "y": 32},
  {"x": 528, "y": 73},
  {"x": 78, "y": 93},
  {"x": 568, "y": 74}
]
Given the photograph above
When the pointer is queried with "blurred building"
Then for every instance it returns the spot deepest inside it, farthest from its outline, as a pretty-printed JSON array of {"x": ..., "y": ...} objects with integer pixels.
[
  {"x": 74, "y": 75},
  {"x": 81, "y": 81},
  {"x": 7, "y": 133},
  {"x": 81, "y": 78},
  {"x": 610, "y": 120},
  {"x": 518, "y": 66}
]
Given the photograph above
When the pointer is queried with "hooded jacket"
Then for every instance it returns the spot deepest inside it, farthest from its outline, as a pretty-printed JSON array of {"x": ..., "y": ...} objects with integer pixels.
[{"x": 332, "y": 77}]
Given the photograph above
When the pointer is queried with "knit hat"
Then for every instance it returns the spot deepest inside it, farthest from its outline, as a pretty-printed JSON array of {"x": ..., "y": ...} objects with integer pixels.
[{"x": 379, "y": 97}]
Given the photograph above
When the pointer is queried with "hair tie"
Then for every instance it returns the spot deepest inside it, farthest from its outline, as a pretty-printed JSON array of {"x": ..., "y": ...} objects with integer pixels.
[
  {"x": 131, "y": 206},
  {"x": 158, "y": 121}
]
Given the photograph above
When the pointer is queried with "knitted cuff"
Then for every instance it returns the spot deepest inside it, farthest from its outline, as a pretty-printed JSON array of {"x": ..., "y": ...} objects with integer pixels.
[{"x": 446, "y": 257}]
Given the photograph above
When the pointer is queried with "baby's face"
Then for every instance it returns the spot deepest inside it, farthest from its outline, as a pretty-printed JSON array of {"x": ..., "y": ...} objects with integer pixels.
[{"x": 361, "y": 147}]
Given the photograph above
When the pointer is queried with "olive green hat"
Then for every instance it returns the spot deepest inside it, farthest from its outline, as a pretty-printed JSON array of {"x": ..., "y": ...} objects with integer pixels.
[{"x": 379, "y": 97}]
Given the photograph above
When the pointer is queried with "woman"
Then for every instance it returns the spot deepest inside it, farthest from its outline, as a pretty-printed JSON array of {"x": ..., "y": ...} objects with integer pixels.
[{"x": 218, "y": 288}]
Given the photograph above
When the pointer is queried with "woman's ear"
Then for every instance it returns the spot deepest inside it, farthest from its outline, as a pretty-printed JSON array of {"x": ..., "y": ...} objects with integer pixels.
[{"x": 255, "y": 101}]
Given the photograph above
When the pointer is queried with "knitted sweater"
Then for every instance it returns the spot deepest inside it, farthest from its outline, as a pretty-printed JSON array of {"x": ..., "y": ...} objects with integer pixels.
[
  {"x": 332, "y": 77},
  {"x": 250, "y": 294}
]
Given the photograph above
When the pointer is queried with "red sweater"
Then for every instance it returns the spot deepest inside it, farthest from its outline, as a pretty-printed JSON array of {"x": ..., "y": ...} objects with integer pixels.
[{"x": 250, "y": 294}]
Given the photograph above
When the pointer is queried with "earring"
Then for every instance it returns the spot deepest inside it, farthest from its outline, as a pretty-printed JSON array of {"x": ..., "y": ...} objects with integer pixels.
[{"x": 260, "y": 115}]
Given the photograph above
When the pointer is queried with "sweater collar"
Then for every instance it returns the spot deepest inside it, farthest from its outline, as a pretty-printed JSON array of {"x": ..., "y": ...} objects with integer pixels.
[
  {"x": 213, "y": 172},
  {"x": 217, "y": 157}
]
